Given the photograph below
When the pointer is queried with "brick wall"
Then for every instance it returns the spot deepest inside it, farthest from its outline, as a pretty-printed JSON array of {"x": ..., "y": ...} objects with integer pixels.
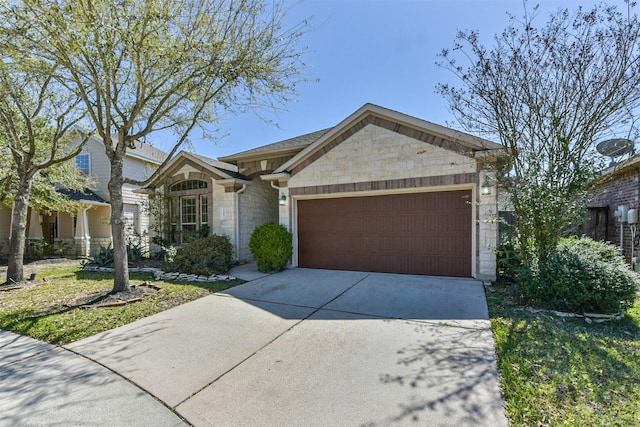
[{"x": 620, "y": 189}]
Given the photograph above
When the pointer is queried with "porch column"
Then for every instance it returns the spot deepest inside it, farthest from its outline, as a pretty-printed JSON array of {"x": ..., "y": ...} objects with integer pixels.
[
  {"x": 82, "y": 237},
  {"x": 35, "y": 225}
]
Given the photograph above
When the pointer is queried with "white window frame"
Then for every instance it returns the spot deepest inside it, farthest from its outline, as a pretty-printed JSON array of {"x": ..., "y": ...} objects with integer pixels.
[
  {"x": 204, "y": 209},
  {"x": 195, "y": 212},
  {"x": 88, "y": 155}
]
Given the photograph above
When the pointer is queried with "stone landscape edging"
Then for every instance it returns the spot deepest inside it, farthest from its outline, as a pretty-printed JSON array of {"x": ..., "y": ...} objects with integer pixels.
[
  {"x": 588, "y": 317},
  {"x": 158, "y": 274}
]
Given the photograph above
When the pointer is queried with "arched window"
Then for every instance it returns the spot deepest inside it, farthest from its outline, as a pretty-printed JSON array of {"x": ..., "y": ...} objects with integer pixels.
[{"x": 190, "y": 184}]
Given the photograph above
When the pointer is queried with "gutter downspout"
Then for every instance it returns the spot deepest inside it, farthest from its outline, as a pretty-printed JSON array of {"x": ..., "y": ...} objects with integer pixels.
[{"x": 237, "y": 216}]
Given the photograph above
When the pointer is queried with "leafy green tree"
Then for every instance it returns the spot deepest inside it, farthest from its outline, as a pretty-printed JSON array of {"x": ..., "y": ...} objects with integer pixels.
[
  {"x": 547, "y": 93},
  {"x": 36, "y": 118},
  {"x": 160, "y": 65}
]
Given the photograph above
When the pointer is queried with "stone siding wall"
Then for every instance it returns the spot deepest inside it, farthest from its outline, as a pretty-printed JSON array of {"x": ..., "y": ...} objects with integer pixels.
[
  {"x": 376, "y": 160},
  {"x": 224, "y": 213},
  {"x": 378, "y": 154},
  {"x": 258, "y": 204}
]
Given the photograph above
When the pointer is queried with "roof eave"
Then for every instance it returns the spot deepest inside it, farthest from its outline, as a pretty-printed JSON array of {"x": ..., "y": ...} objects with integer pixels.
[
  {"x": 263, "y": 155},
  {"x": 281, "y": 176},
  {"x": 470, "y": 141},
  {"x": 93, "y": 202}
]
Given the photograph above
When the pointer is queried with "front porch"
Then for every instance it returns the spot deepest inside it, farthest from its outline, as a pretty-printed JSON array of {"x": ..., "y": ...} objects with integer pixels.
[{"x": 61, "y": 234}]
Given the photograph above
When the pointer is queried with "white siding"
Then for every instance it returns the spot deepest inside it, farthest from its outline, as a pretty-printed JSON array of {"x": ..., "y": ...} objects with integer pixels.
[
  {"x": 100, "y": 168},
  {"x": 132, "y": 168},
  {"x": 137, "y": 169}
]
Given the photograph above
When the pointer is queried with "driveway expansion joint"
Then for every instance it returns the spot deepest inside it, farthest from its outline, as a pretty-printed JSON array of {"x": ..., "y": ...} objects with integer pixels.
[{"x": 136, "y": 385}]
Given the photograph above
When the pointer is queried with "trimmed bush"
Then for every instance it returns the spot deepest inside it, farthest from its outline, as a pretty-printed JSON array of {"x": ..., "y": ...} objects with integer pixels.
[
  {"x": 204, "y": 256},
  {"x": 509, "y": 263},
  {"x": 582, "y": 276},
  {"x": 271, "y": 245}
]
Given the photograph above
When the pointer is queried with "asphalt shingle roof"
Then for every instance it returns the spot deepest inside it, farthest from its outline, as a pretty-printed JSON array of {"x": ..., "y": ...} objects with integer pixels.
[
  {"x": 298, "y": 142},
  {"x": 86, "y": 195}
]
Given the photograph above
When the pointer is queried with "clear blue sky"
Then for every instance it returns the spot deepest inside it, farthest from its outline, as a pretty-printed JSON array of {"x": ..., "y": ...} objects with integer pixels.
[{"x": 378, "y": 51}]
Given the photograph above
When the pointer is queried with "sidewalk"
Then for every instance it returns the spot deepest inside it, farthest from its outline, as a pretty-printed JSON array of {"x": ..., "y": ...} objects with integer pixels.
[{"x": 41, "y": 384}]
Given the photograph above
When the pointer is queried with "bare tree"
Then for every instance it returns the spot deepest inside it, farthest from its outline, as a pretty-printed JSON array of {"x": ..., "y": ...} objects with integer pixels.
[
  {"x": 157, "y": 65},
  {"x": 547, "y": 93}
]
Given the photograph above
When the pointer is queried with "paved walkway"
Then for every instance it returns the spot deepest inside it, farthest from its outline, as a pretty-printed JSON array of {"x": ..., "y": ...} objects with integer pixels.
[{"x": 301, "y": 347}]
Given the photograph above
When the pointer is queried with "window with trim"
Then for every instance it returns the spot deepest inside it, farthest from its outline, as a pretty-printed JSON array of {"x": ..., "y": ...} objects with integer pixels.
[
  {"x": 190, "y": 184},
  {"x": 173, "y": 220},
  {"x": 188, "y": 207},
  {"x": 204, "y": 210},
  {"x": 188, "y": 213},
  {"x": 83, "y": 163}
]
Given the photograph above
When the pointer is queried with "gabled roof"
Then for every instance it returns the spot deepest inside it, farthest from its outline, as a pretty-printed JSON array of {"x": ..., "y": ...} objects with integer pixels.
[
  {"x": 369, "y": 113},
  {"x": 221, "y": 169},
  {"x": 147, "y": 152},
  {"x": 142, "y": 150},
  {"x": 277, "y": 148}
]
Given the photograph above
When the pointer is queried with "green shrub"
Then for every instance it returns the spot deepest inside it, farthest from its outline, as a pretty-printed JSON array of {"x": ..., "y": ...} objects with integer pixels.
[
  {"x": 509, "y": 262},
  {"x": 135, "y": 247},
  {"x": 103, "y": 257},
  {"x": 204, "y": 256},
  {"x": 271, "y": 245},
  {"x": 582, "y": 275}
]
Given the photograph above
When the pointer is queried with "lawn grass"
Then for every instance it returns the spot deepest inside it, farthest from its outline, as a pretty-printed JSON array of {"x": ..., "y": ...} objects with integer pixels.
[
  {"x": 39, "y": 311},
  {"x": 559, "y": 371}
]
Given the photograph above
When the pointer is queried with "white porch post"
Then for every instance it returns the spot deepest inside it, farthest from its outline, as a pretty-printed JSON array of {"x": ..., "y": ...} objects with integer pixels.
[
  {"x": 35, "y": 229},
  {"x": 82, "y": 237}
]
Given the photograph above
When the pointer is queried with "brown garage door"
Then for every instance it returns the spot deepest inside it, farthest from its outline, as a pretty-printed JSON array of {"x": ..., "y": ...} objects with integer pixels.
[{"x": 421, "y": 233}]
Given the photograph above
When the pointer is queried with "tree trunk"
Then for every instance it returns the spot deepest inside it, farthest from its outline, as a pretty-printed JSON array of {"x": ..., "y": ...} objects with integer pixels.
[
  {"x": 120, "y": 261},
  {"x": 15, "y": 267}
]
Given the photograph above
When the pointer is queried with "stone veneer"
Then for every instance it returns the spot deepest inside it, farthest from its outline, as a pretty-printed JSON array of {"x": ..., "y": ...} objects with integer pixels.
[{"x": 376, "y": 160}]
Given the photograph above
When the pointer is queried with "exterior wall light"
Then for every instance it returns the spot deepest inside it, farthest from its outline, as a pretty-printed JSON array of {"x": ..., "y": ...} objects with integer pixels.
[
  {"x": 485, "y": 189},
  {"x": 283, "y": 200}
]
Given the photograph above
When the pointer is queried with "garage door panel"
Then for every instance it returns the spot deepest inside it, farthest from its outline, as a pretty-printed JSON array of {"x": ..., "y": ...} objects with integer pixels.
[{"x": 421, "y": 233}]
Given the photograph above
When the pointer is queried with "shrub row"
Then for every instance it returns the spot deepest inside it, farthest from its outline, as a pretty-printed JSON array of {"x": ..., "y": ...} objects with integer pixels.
[{"x": 582, "y": 275}]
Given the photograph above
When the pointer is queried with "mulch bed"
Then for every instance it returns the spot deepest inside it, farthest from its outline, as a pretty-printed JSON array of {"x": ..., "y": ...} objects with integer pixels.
[{"x": 106, "y": 298}]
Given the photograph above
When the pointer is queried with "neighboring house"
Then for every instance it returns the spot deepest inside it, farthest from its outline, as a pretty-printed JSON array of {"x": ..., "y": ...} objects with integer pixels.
[
  {"x": 81, "y": 232},
  {"x": 618, "y": 186},
  {"x": 381, "y": 191}
]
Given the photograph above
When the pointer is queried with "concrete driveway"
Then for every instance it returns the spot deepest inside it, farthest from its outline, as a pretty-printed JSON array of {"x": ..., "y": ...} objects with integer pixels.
[{"x": 316, "y": 348}]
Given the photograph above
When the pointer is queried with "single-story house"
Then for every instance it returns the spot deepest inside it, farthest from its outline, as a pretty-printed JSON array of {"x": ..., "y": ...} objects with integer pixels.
[
  {"x": 380, "y": 191},
  {"x": 618, "y": 188}
]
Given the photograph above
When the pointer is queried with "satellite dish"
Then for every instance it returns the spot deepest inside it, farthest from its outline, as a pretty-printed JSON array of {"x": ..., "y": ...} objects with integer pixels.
[{"x": 615, "y": 147}]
